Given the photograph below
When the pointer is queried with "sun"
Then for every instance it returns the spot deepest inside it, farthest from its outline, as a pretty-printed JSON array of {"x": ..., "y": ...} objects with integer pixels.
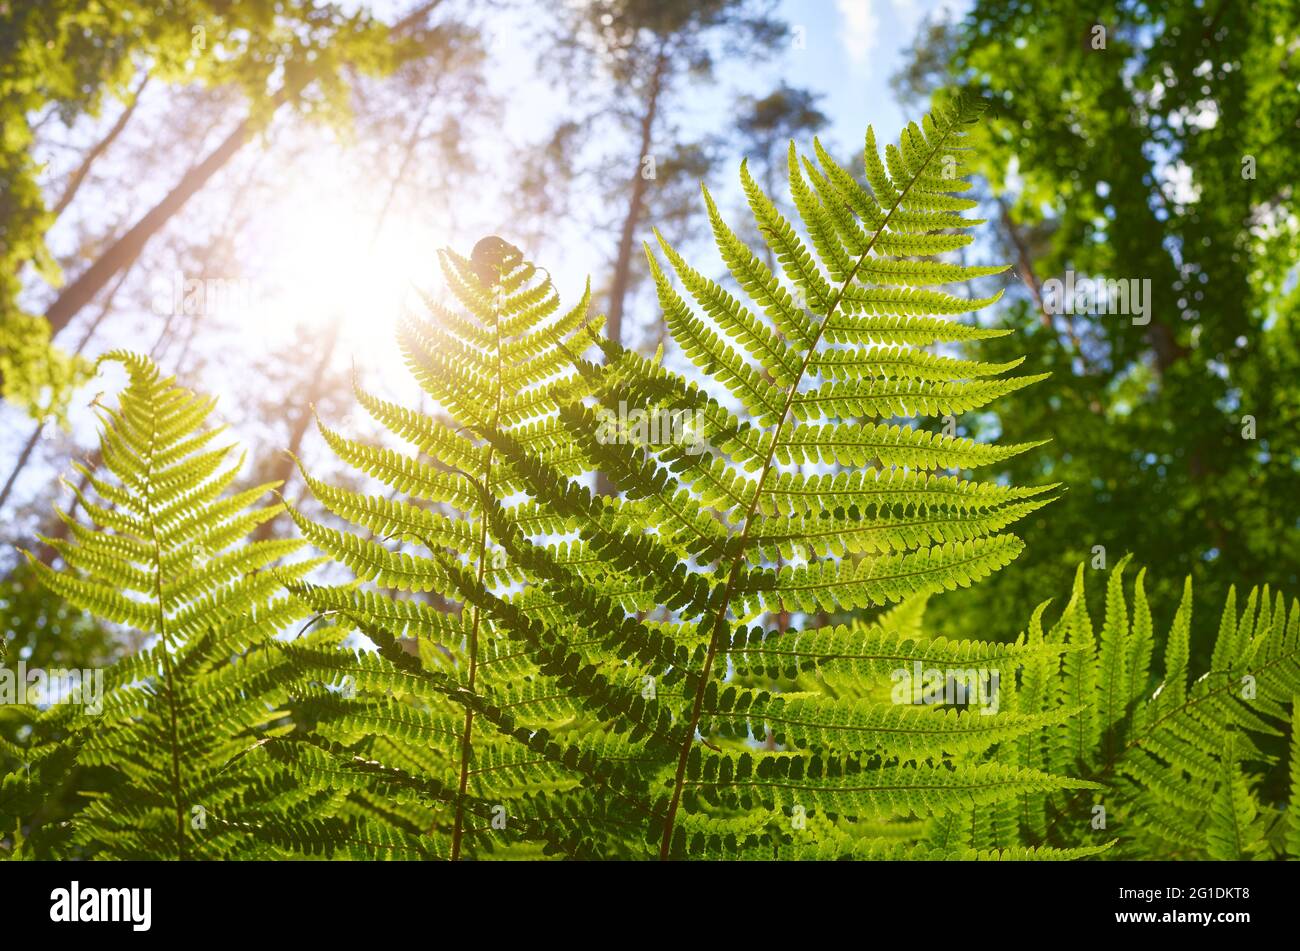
[{"x": 330, "y": 262}]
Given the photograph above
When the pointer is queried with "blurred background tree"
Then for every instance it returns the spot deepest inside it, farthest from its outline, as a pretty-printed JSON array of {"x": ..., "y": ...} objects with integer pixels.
[
  {"x": 70, "y": 59},
  {"x": 1158, "y": 143},
  {"x": 309, "y": 157},
  {"x": 626, "y": 62}
]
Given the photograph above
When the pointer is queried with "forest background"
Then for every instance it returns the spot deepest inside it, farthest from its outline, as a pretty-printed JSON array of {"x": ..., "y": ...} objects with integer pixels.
[{"x": 248, "y": 192}]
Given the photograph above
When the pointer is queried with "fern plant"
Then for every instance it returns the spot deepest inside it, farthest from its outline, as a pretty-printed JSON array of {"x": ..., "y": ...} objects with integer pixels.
[
  {"x": 160, "y": 758},
  {"x": 455, "y": 706},
  {"x": 726, "y": 658},
  {"x": 1191, "y": 764},
  {"x": 609, "y": 658},
  {"x": 829, "y": 367}
]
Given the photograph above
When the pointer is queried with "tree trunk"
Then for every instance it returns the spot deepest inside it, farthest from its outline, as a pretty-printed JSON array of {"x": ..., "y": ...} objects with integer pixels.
[
  {"x": 22, "y": 461},
  {"x": 623, "y": 262},
  {"x": 125, "y": 250},
  {"x": 79, "y": 176},
  {"x": 282, "y": 471},
  {"x": 1025, "y": 264}
]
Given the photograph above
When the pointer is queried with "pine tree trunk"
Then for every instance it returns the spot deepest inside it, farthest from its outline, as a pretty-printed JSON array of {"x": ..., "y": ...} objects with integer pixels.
[
  {"x": 623, "y": 261},
  {"x": 125, "y": 250},
  {"x": 79, "y": 176},
  {"x": 636, "y": 205}
]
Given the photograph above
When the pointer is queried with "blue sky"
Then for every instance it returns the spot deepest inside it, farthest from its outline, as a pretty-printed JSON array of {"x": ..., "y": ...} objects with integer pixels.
[
  {"x": 852, "y": 48},
  {"x": 846, "y": 50}
]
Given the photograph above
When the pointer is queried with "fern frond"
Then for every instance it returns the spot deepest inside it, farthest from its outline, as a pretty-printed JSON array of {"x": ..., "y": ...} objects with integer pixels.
[
  {"x": 1176, "y": 759},
  {"x": 631, "y": 621},
  {"x": 165, "y": 555},
  {"x": 817, "y": 359}
]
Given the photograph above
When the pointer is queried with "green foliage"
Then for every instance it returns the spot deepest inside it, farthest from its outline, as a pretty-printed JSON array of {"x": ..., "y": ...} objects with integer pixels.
[
  {"x": 160, "y": 746},
  {"x": 879, "y": 530},
  {"x": 43, "y": 631},
  {"x": 1204, "y": 94},
  {"x": 1191, "y": 763},
  {"x": 599, "y": 646},
  {"x": 456, "y": 703},
  {"x": 70, "y": 57},
  {"x": 724, "y": 658}
]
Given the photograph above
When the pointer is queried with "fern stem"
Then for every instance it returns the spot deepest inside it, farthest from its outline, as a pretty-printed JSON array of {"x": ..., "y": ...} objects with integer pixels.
[
  {"x": 458, "y": 831},
  {"x": 720, "y": 623},
  {"x": 168, "y": 674}
]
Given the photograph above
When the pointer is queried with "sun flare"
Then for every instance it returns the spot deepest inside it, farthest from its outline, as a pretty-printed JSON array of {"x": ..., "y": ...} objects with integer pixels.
[{"x": 331, "y": 261}]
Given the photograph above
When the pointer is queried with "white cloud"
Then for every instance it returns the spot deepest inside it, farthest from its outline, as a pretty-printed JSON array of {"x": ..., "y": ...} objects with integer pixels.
[
  {"x": 1182, "y": 188},
  {"x": 861, "y": 27},
  {"x": 860, "y": 23},
  {"x": 1207, "y": 114}
]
